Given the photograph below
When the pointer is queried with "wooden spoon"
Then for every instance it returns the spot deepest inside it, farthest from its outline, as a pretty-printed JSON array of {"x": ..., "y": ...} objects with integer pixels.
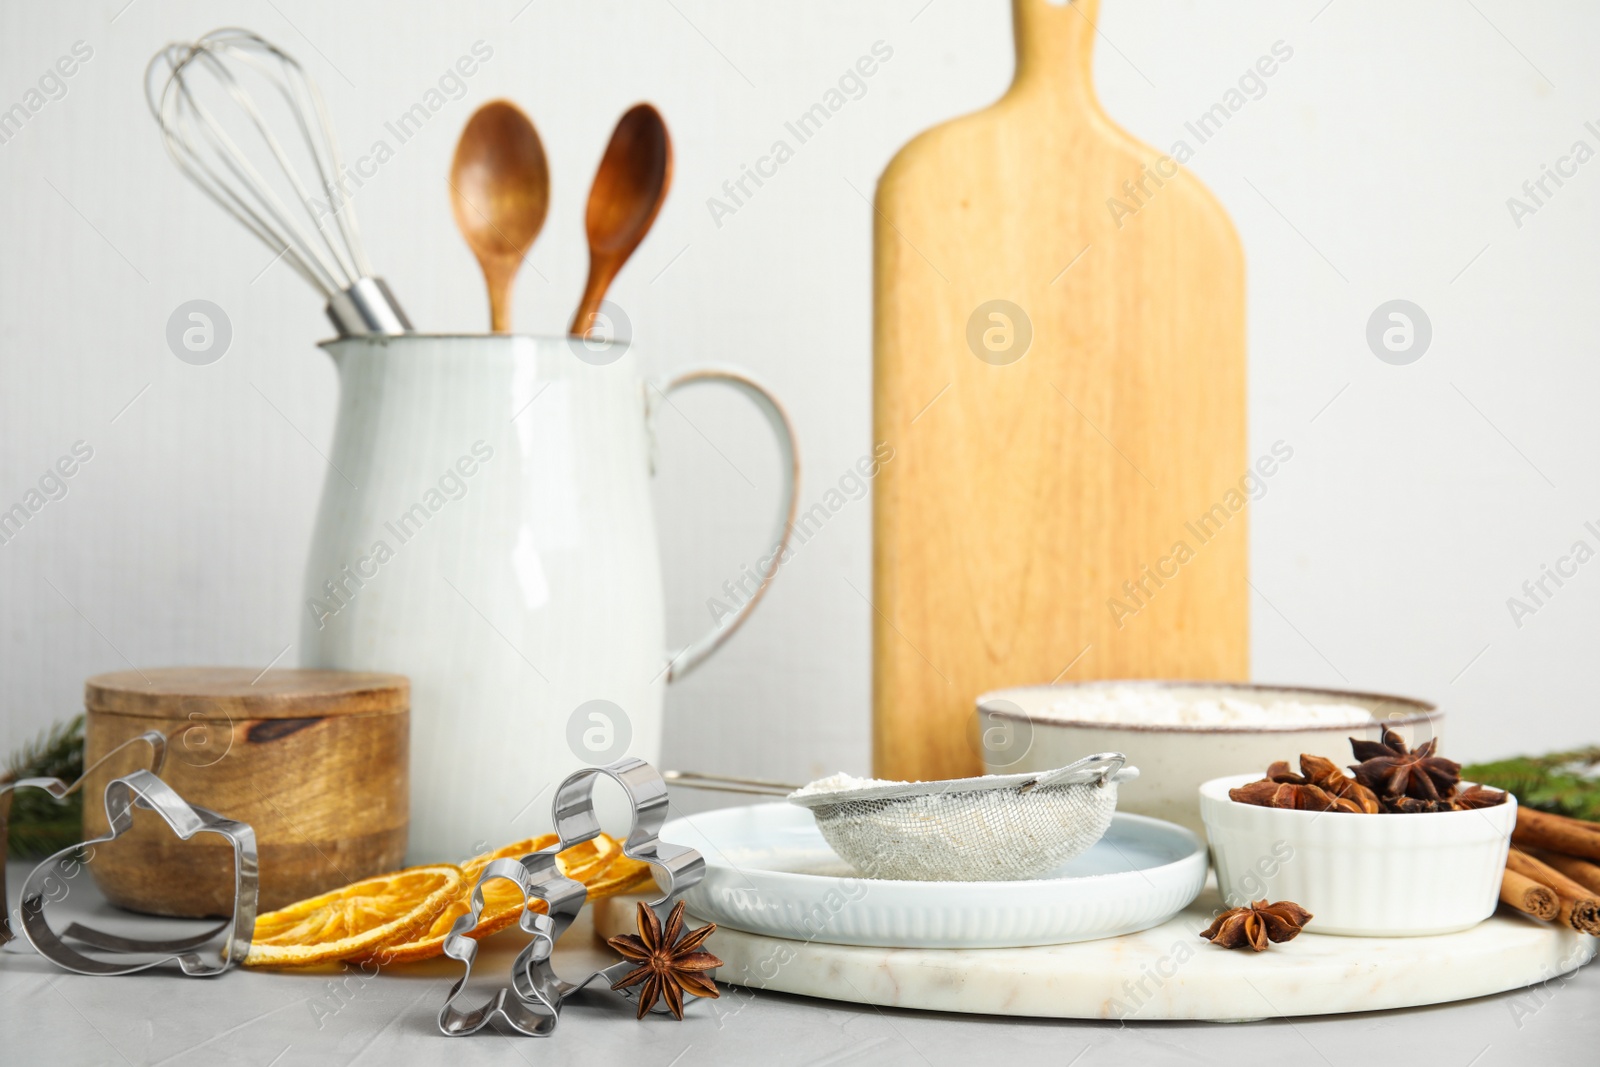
[
  {"x": 627, "y": 193},
  {"x": 499, "y": 192}
]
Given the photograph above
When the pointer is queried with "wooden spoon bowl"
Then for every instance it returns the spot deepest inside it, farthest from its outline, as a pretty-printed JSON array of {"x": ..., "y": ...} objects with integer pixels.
[
  {"x": 499, "y": 193},
  {"x": 626, "y": 196}
]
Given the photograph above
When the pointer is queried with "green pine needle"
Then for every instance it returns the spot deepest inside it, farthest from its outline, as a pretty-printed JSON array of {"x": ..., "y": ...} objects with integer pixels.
[
  {"x": 39, "y": 824},
  {"x": 1566, "y": 783}
]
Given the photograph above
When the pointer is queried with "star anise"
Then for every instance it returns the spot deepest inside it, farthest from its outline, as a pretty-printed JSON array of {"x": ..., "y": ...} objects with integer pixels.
[
  {"x": 1390, "y": 769},
  {"x": 1322, "y": 788},
  {"x": 1466, "y": 800},
  {"x": 1269, "y": 794},
  {"x": 1255, "y": 925},
  {"x": 1477, "y": 797},
  {"x": 670, "y": 964},
  {"x": 1413, "y": 806},
  {"x": 1326, "y": 776}
]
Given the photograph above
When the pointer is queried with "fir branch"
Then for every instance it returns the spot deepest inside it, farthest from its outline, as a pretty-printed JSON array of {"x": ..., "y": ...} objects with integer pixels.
[
  {"x": 1567, "y": 783},
  {"x": 40, "y": 824}
]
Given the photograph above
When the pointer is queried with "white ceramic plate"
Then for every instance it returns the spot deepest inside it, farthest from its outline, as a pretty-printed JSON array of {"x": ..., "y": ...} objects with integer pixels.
[{"x": 769, "y": 871}]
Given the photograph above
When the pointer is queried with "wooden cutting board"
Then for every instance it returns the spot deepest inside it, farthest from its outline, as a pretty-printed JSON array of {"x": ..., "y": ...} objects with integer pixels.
[{"x": 1050, "y": 448}]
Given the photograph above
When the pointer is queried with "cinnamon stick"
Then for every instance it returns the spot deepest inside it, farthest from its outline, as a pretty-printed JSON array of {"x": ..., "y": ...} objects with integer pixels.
[
  {"x": 1557, "y": 833},
  {"x": 1578, "y": 908},
  {"x": 1583, "y": 872},
  {"x": 1528, "y": 896}
]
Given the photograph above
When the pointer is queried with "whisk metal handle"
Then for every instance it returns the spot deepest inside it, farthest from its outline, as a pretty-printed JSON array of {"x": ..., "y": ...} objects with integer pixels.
[{"x": 367, "y": 307}]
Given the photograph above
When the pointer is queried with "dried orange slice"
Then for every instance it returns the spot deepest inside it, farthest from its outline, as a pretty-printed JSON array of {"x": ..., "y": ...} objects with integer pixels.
[
  {"x": 624, "y": 874},
  {"x": 502, "y": 901},
  {"x": 473, "y": 868},
  {"x": 351, "y": 921},
  {"x": 587, "y": 861}
]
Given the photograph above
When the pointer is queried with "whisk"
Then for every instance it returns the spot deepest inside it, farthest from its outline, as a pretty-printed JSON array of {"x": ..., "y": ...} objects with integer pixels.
[{"x": 328, "y": 253}]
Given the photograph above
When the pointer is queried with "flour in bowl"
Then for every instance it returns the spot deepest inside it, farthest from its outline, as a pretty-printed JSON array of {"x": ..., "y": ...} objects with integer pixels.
[
  {"x": 1201, "y": 706},
  {"x": 838, "y": 783}
]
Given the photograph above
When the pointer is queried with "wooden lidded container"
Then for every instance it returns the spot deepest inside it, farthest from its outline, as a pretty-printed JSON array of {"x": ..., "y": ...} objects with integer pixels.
[{"x": 317, "y": 762}]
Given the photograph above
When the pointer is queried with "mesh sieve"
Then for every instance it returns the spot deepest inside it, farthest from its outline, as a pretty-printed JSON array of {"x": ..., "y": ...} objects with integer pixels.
[{"x": 989, "y": 829}]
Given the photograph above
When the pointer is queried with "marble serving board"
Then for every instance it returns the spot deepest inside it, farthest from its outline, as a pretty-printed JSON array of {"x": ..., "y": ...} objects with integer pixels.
[{"x": 1166, "y": 972}]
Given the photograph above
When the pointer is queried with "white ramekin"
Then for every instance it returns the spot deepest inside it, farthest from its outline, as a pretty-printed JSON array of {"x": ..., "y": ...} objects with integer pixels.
[{"x": 1360, "y": 875}]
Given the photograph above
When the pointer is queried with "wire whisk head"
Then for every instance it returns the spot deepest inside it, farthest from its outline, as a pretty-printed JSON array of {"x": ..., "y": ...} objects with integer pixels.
[{"x": 222, "y": 102}]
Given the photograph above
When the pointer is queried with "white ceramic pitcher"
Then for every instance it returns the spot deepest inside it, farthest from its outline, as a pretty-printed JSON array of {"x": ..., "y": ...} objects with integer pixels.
[{"x": 486, "y": 529}]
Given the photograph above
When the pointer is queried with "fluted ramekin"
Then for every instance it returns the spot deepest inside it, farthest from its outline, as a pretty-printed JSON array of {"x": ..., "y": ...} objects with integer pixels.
[{"x": 1360, "y": 875}]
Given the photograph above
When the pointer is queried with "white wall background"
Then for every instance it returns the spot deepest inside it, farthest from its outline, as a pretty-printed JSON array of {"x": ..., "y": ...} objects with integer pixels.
[{"x": 1376, "y": 166}]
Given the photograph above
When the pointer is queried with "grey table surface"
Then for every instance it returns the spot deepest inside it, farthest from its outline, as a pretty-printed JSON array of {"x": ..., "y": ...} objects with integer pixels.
[{"x": 341, "y": 1018}]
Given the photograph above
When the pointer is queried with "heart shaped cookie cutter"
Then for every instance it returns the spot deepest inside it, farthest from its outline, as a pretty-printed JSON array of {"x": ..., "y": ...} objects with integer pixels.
[
  {"x": 144, "y": 790},
  {"x": 531, "y": 1005}
]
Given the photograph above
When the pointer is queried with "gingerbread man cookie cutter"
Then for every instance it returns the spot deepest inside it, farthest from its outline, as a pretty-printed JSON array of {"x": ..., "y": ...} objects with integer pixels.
[
  {"x": 531, "y": 1004},
  {"x": 144, "y": 790}
]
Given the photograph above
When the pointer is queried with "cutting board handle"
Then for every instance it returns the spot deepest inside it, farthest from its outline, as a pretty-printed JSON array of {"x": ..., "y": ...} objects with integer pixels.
[{"x": 1055, "y": 44}]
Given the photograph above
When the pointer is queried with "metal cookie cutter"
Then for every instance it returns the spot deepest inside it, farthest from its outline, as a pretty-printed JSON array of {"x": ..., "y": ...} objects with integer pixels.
[
  {"x": 532, "y": 1003},
  {"x": 145, "y": 790},
  {"x": 60, "y": 791}
]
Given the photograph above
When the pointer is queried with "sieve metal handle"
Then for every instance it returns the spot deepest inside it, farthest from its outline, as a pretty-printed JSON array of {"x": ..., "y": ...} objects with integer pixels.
[
  {"x": 720, "y": 784},
  {"x": 1102, "y": 767}
]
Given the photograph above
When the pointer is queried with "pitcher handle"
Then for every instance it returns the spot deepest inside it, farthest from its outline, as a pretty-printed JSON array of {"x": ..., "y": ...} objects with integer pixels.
[{"x": 696, "y": 652}]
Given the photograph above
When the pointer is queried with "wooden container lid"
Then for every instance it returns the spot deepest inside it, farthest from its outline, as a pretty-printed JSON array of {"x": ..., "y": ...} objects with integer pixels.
[{"x": 245, "y": 693}]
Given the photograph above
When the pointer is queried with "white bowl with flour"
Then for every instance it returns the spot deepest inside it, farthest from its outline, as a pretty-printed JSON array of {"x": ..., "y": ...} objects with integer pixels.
[{"x": 1180, "y": 734}]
